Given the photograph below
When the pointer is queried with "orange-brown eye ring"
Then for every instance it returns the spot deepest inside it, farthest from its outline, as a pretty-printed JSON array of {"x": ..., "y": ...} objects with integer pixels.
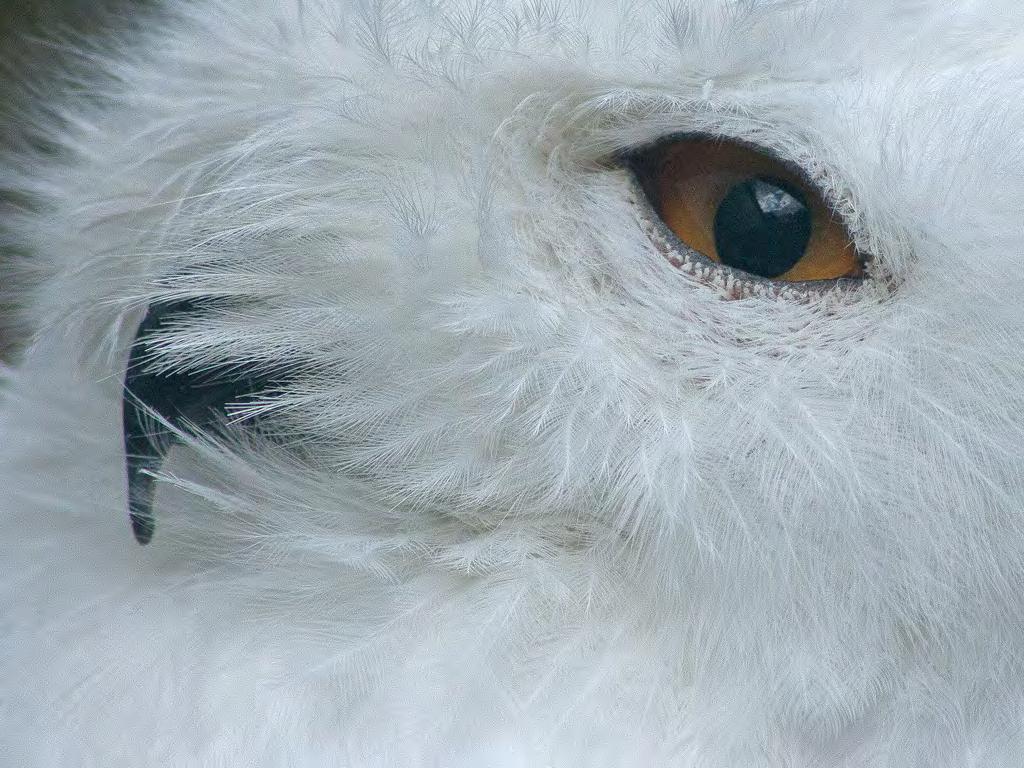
[{"x": 743, "y": 208}]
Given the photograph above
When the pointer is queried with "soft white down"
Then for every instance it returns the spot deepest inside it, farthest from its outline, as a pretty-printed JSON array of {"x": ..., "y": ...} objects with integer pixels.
[{"x": 531, "y": 496}]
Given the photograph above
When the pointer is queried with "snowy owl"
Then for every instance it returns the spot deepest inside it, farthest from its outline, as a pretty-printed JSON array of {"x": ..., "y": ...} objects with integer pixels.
[{"x": 535, "y": 383}]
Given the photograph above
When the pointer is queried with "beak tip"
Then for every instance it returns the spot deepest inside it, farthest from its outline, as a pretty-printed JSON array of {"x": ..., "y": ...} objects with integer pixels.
[
  {"x": 142, "y": 527},
  {"x": 140, "y": 501}
]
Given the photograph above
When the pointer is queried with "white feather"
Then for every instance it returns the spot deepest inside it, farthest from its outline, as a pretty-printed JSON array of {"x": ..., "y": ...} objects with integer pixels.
[{"x": 535, "y": 496}]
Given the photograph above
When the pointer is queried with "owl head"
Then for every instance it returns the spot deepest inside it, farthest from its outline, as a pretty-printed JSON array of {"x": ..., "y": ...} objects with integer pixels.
[{"x": 517, "y": 383}]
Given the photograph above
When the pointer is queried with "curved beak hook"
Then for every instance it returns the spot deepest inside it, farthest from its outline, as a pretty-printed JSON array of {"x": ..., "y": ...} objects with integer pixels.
[{"x": 159, "y": 405}]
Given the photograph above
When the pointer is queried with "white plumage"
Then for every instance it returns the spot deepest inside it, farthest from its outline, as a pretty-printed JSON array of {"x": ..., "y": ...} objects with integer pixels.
[{"x": 531, "y": 495}]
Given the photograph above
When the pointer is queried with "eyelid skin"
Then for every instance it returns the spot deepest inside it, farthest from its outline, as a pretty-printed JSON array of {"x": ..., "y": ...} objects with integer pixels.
[{"x": 686, "y": 179}]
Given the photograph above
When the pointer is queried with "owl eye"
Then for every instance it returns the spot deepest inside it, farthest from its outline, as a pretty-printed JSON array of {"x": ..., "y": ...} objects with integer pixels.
[{"x": 743, "y": 208}]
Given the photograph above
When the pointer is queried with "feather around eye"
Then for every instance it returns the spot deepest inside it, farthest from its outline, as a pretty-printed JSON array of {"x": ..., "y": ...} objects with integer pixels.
[{"x": 741, "y": 207}]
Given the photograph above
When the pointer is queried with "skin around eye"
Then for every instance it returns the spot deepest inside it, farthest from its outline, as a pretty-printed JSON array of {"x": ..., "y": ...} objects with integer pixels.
[{"x": 744, "y": 208}]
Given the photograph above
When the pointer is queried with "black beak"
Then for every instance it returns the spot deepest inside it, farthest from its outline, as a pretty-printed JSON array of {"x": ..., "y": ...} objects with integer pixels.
[{"x": 158, "y": 404}]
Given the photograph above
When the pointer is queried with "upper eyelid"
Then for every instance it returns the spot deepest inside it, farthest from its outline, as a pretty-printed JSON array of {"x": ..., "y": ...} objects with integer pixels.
[{"x": 636, "y": 159}]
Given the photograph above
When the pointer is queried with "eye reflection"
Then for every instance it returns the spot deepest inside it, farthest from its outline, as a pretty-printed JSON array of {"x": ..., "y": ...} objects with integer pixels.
[{"x": 746, "y": 209}]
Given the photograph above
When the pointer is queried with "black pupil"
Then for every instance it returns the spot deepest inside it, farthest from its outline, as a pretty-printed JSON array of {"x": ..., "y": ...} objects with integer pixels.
[{"x": 762, "y": 227}]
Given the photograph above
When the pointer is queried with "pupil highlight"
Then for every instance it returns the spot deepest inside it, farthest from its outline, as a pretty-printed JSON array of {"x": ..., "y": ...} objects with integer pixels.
[{"x": 762, "y": 226}]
